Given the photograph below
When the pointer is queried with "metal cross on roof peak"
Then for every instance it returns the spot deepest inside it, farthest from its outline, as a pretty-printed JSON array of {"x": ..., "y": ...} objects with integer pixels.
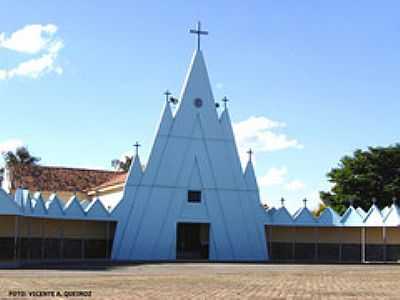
[
  {"x": 283, "y": 202},
  {"x": 305, "y": 202},
  {"x": 199, "y": 32},
  {"x": 167, "y": 93},
  {"x": 225, "y": 100},
  {"x": 250, "y": 153},
  {"x": 137, "y": 145}
]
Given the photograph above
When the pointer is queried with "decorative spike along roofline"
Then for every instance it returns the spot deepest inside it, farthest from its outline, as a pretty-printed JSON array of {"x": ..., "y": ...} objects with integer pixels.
[
  {"x": 328, "y": 217},
  {"x": 52, "y": 208}
]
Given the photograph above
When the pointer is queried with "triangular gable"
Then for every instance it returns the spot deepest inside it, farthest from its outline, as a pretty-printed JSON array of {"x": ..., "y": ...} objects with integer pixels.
[
  {"x": 54, "y": 206},
  {"x": 166, "y": 120},
  {"x": 361, "y": 212},
  {"x": 385, "y": 211},
  {"x": 226, "y": 125},
  {"x": 351, "y": 218},
  {"x": 282, "y": 217},
  {"x": 196, "y": 99},
  {"x": 38, "y": 205},
  {"x": 19, "y": 198},
  {"x": 250, "y": 177},
  {"x": 7, "y": 204},
  {"x": 392, "y": 218},
  {"x": 374, "y": 217},
  {"x": 84, "y": 204},
  {"x": 135, "y": 172},
  {"x": 304, "y": 217},
  {"x": 73, "y": 208},
  {"x": 96, "y": 210},
  {"x": 329, "y": 217}
]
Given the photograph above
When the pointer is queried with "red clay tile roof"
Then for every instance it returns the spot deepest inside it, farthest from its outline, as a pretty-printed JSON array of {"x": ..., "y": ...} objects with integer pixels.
[
  {"x": 43, "y": 178},
  {"x": 116, "y": 180}
]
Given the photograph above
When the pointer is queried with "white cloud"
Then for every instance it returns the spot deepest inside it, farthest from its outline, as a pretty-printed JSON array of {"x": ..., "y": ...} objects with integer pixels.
[
  {"x": 10, "y": 145},
  {"x": 219, "y": 85},
  {"x": 274, "y": 176},
  {"x": 257, "y": 133},
  {"x": 33, "y": 39},
  {"x": 30, "y": 39},
  {"x": 295, "y": 185}
]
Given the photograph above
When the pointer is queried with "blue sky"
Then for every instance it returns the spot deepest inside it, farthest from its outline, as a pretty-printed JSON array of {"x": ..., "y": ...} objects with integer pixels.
[{"x": 327, "y": 70}]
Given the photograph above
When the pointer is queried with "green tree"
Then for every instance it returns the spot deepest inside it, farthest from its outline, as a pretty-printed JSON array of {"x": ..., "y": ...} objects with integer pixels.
[
  {"x": 373, "y": 173},
  {"x": 122, "y": 165},
  {"x": 21, "y": 156}
]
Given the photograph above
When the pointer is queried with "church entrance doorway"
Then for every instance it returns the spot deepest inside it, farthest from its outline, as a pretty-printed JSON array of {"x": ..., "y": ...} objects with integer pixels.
[{"x": 192, "y": 240}]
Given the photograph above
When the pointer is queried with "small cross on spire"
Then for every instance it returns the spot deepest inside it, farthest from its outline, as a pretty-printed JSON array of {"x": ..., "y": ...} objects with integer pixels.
[
  {"x": 199, "y": 32},
  {"x": 167, "y": 93},
  {"x": 225, "y": 100},
  {"x": 305, "y": 202},
  {"x": 137, "y": 145},
  {"x": 283, "y": 202},
  {"x": 250, "y": 153}
]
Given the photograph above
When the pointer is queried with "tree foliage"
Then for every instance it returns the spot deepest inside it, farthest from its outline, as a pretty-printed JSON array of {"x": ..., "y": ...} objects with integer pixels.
[
  {"x": 122, "y": 165},
  {"x": 21, "y": 156},
  {"x": 373, "y": 173}
]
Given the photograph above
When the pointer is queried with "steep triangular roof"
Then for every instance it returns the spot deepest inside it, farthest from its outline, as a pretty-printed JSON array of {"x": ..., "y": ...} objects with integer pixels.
[
  {"x": 7, "y": 204},
  {"x": 329, "y": 217},
  {"x": 54, "y": 206},
  {"x": 196, "y": 99},
  {"x": 73, "y": 208},
  {"x": 303, "y": 216},
  {"x": 226, "y": 125},
  {"x": 361, "y": 212},
  {"x": 393, "y": 216},
  {"x": 135, "y": 172},
  {"x": 373, "y": 217},
  {"x": 166, "y": 120},
  {"x": 96, "y": 210},
  {"x": 351, "y": 218},
  {"x": 38, "y": 204},
  {"x": 282, "y": 217},
  {"x": 385, "y": 211},
  {"x": 250, "y": 176}
]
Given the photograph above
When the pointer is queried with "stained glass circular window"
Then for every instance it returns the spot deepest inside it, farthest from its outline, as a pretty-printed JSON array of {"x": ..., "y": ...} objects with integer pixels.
[{"x": 198, "y": 102}]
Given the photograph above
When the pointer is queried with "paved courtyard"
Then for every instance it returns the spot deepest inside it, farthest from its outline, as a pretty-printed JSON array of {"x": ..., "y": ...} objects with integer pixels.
[{"x": 201, "y": 281}]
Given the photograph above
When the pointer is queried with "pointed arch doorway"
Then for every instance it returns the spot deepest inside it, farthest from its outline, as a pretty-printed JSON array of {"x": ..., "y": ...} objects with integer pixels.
[{"x": 192, "y": 241}]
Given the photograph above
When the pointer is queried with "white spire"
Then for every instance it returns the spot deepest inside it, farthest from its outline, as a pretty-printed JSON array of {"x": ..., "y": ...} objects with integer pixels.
[
  {"x": 250, "y": 176},
  {"x": 135, "y": 172},
  {"x": 165, "y": 120},
  {"x": 196, "y": 99}
]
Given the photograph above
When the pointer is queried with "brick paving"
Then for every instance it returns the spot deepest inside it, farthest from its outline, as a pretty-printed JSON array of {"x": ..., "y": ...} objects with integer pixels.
[{"x": 211, "y": 281}]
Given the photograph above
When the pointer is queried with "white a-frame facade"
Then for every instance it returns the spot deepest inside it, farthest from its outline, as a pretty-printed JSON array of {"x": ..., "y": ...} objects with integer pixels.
[{"x": 194, "y": 155}]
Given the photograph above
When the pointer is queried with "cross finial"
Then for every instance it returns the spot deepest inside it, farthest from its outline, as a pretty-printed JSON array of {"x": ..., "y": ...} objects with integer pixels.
[
  {"x": 305, "y": 202},
  {"x": 283, "y": 202},
  {"x": 137, "y": 145},
  {"x": 199, "y": 32},
  {"x": 250, "y": 153},
  {"x": 167, "y": 93},
  {"x": 373, "y": 200},
  {"x": 225, "y": 100}
]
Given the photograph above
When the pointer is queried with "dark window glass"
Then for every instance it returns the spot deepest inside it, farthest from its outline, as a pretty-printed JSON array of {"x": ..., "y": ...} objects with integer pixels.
[{"x": 194, "y": 196}]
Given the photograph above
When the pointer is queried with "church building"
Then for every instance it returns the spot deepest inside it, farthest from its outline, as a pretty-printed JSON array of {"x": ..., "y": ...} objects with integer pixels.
[{"x": 191, "y": 201}]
